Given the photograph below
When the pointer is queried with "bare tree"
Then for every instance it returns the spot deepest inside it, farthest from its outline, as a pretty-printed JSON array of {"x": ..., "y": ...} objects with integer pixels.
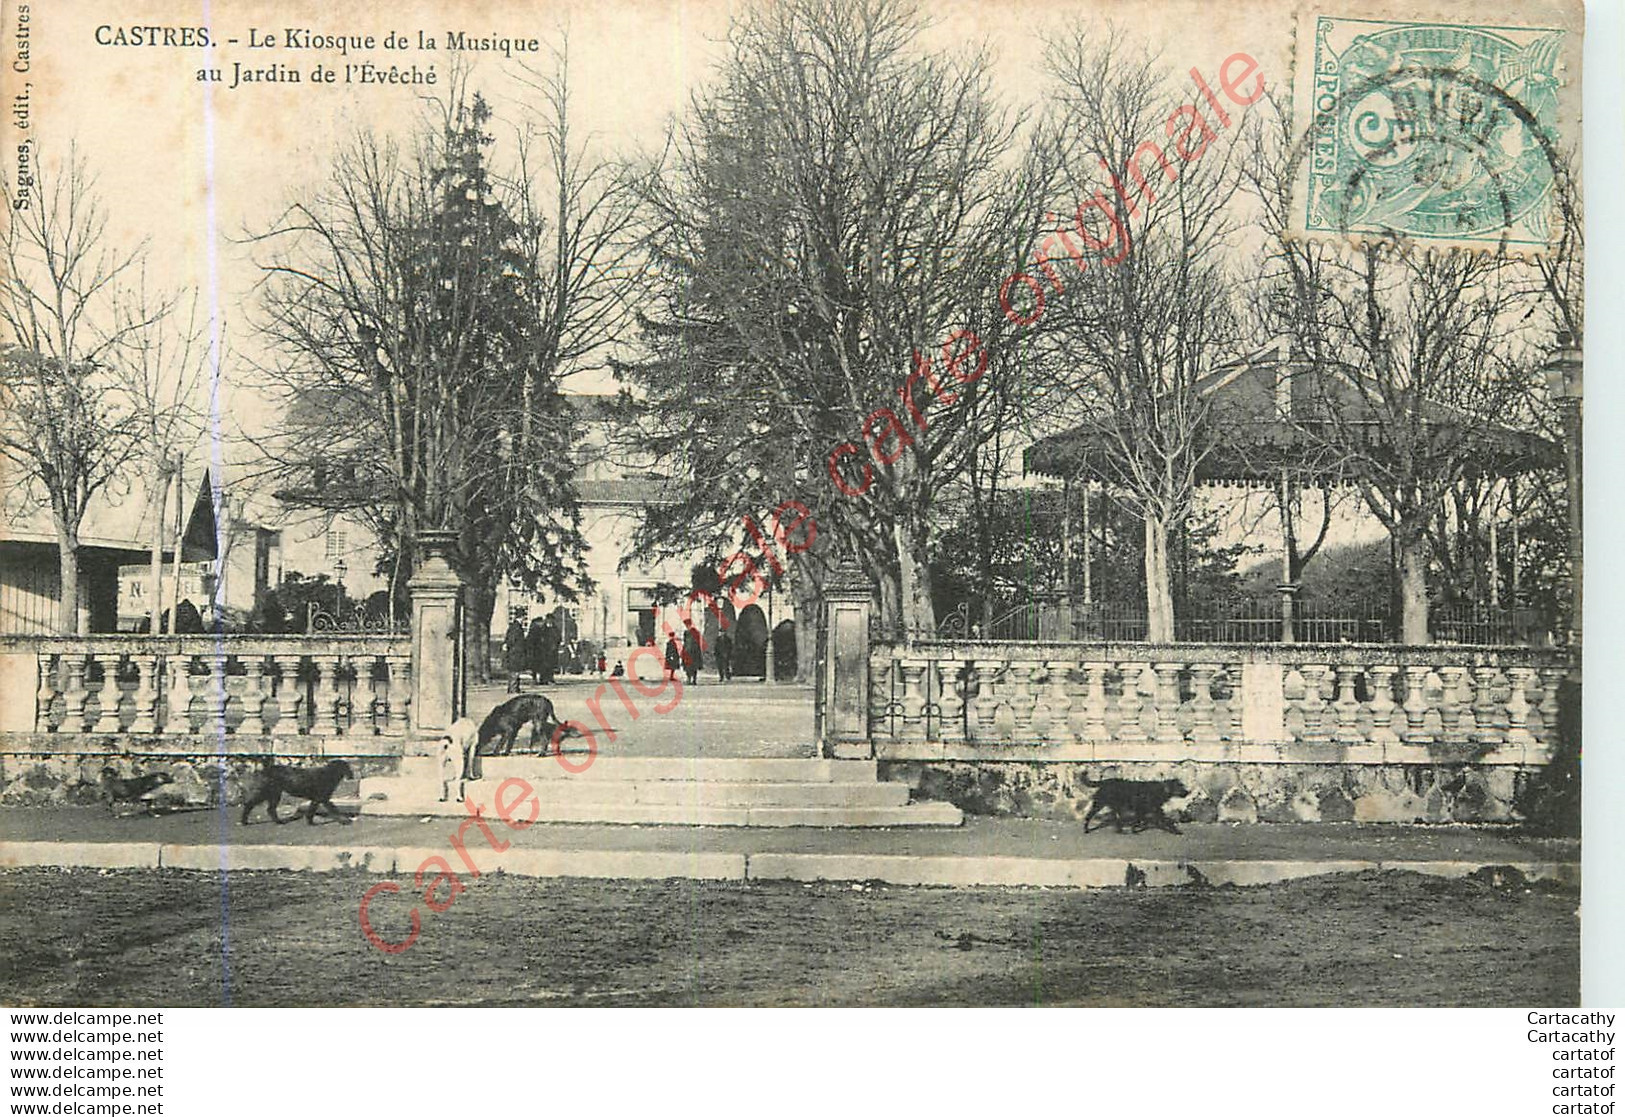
[
  {"x": 1423, "y": 369},
  {"x": 163, "y": 358},
  {"x": 1132, "y": 331},
  {"x": 68, "y": 424},
  {"x": 831, "y": 237},
  {"x": 424, "y": 309}
]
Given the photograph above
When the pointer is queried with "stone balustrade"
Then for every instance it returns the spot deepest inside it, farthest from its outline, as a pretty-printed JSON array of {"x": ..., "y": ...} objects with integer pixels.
[
  {"x": 328, "y": 685},
  {"x": 1246, "y": 703}
]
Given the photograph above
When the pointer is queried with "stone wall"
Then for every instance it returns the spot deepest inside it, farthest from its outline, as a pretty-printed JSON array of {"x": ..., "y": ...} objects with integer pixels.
[
  {"x": 1229, "y": 792},
  {"x": 53, "y": 777}
]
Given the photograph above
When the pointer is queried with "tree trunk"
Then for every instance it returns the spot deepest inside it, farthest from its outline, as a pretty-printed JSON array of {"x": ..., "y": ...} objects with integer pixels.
[
  {"x": 1413, "y": 591},
  {"x": 479, "y": 602},
  {"x": 890, "y": 602},
  {"x": 155, "y": 585},
  {"x": 914, "y": 580},
  {"x": 806, "y": 600},
  {"x": 174, "y": 600},
  {"x": 67, "y": 546},
  {"x": 1159, "y": 597}
]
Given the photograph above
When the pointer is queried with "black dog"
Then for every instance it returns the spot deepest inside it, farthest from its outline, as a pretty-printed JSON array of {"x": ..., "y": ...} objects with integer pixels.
[
  {"x": 136, "y": 788},
  {"x": 1138, "y": 802},
  {"x": 502, "y": 725},
  {"x": 315, "y": 784}
]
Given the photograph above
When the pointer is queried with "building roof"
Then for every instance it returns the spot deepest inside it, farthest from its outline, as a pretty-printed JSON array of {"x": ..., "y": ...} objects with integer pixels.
[
  {"x": 1269, "y": 413},
  {"x": 118, "y": 519}
]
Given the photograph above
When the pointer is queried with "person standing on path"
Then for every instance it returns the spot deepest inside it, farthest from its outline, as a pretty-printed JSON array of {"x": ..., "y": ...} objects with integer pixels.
[
  {"x": 533, "y": 650},
  {"x": 513, "y": 655},
  {"x": 725, "y": 651},
  {"x": 674, "y": 657},
  {"x": 550, "y": 653},
  {"x": 692, "y": 659}
]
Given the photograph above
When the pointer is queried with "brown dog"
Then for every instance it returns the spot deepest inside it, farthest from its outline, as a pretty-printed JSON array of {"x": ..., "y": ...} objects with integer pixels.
[
  {"x": 501, "y": 726},
  {"x": 315, "y": 784}
]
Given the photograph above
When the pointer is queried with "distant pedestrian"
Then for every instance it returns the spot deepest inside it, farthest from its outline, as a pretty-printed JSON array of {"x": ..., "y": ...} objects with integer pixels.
[
  {"x": 674, "y": 657},
  {"x": 603, "y": 664},
  {"x": 513, "y": 655},
  {"x": 620, "y": 670},
  {"x": 725, "y": 653},
  {"x": 533, "y": 650},
  {"x": 692, "y": 660},
  {"x": 550, "y": 653}
]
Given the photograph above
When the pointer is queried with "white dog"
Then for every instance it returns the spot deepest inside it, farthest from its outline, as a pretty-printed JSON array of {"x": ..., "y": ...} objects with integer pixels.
[{"x": 459, "y": 759}]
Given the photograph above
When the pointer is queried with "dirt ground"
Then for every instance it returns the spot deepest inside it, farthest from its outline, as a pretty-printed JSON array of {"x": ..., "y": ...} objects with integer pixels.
[{"x": 88, "y": 937}]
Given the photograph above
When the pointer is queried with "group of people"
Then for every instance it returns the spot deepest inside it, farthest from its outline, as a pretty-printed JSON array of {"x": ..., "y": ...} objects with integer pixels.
[
  {"x": 689, "y": 658},
  {"x": 535, "y": 650}
]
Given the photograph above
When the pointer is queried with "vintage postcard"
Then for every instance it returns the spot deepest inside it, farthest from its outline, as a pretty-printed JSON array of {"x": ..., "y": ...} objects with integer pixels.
[{"x": 798, "y": 502}]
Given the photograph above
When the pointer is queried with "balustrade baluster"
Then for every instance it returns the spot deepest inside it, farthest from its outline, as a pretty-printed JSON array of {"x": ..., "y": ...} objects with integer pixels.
[
  {"x": 1518, "y": 706},
  {"x": 371, "y": 667},
  {"x": 1203, "y": 728},
  {"x": 45, "y": 698},
  {"x": 1022, "y": 701},
  {"x": 1485, "y": 706},
  {"x": 1314, "y": 703},
  {"x": 74, "y": 695},
  {"x": 399, "y": 670},
  {"x": 913, "y": 699},
  {"x": 1131, "y": 729},
  {"x": 325, "y": 696},
  {"x": 1381, "y": 678},
  {"x": 254, "y": 695},
  {"x": 1346, "y": 707},
  {"x": 1089, "y": 716},
  {"x": 882, "y": 712},
  {"x": 1059, "y": 701},
  {"x": 1551, "y": 680},
  {"x": 1451, "y": 705},
  {"x": 950, "y": 674},
  {"x": 1165, "y": 702},
  {"x": 1416, "y": 706},
  {"x": 216, "y": 693},
  {"x": 178, "y": 693},
  {"x": 1466, "y": 711},
  {"x": 107, "y": 698},
  {"x": 289, "y": 696},
  {"x": 986, "y": 703},
  {"x": 146, "y": 694}
]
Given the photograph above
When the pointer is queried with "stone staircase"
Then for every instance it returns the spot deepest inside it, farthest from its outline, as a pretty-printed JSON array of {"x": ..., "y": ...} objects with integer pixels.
[{"x": 673, "y": 791}]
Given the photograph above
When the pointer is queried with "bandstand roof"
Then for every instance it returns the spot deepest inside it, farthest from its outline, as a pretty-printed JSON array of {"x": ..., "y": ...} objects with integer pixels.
[{"x": 1269, "y": 415}]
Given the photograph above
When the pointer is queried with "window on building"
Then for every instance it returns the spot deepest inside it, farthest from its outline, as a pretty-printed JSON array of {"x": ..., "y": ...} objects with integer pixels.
[{"x": 337, "y": 544}]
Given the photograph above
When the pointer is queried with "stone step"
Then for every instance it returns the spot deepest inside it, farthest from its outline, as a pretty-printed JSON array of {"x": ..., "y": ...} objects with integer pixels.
[
  {"x": 688, "y": 814},
  {"x": 711, "y": 793},
  {"x": 646, "y": 769}
]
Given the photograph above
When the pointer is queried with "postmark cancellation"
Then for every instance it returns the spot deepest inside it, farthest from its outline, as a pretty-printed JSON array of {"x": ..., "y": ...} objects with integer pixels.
[{"x": 1430, "y": 134}]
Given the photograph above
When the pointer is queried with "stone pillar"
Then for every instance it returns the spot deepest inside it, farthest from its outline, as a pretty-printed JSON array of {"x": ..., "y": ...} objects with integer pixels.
[
  {"x": 438, "y": 678},
  {"x": 843, "y": 683},
  {"x": 1289, "y": 597}
]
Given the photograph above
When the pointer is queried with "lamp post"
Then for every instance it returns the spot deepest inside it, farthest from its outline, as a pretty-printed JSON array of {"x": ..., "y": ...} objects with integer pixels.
[
  {"x": 340, "y": 569},
  {"x": 1564, "y": 381}
]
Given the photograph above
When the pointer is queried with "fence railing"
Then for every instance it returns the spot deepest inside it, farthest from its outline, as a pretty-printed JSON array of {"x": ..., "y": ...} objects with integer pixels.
[
  {"x": 1247, "y": 621},
  {"x": 250, "y": 685},
  {"x": 1367, "y": 703}
]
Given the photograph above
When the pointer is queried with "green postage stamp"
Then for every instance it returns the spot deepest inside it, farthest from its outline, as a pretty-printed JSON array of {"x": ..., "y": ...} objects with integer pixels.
[{"x": 1428, "y": 132}]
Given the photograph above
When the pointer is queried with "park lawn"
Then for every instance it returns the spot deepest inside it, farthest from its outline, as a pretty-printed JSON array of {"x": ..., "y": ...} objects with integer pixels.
[{"x": 154, "y": 937}]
